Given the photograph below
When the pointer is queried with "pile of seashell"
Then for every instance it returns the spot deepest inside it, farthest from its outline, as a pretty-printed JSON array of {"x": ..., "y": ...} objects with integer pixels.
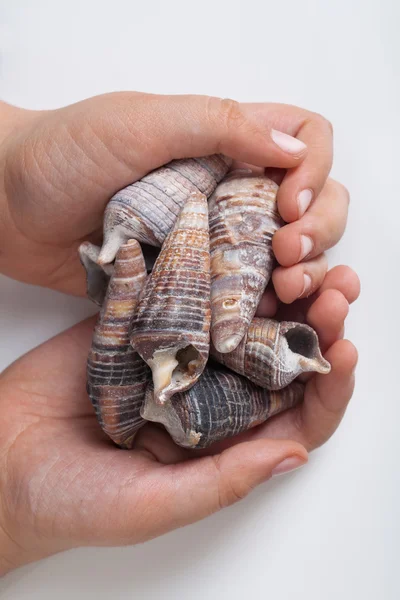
[{"x": 161, "y": 320}]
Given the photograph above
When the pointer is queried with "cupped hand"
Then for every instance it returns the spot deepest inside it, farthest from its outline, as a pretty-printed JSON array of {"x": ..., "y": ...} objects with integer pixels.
[
  {"x": 63, "y": 484},
  {"x": 60, "y": 168}
]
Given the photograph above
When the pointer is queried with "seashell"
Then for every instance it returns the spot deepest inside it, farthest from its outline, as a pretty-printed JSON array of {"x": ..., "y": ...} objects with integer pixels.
[
  {"x": 273, "y": 354},
  {"x": 171, "y": 326},
  {"x": 117, "y": 376},
  {"x": 147, "y": 209},
  {"x": 243, "y": 219},
  {"x": 97, "y": 276},
  {"x": 220, "y": 405}
]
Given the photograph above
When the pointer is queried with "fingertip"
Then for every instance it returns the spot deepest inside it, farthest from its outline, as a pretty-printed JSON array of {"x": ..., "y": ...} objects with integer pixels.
[
  {"x": 343, "y": 356},
  {"x": 331, "y": 305},
  {"x": 346, "y": 280},
  {"x": 288, "y": 283}
]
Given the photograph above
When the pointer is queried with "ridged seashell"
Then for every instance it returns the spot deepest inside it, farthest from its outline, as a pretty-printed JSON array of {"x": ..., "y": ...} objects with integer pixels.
[
  {"x": 243, "y": 219},
  {"x": 97, "y": 276},
  {"x": 147, "y": 209},
  {"x": 117, "y": 376},
  {"x": 273, "y": 354},
  {"x": 220, "y": 405},
  {"x": 171, "y": 326}
]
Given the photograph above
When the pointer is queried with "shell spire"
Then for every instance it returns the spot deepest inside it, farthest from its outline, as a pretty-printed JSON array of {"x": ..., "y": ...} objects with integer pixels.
[
  {"x": 273, "y": 354},
  {"x": 171, "y": 327},
  {"x": 147, "y": 209},
  {"x": 220, "y": 405},
  {"x": 117, "y": 376},
  {"x": 243, "y": 219},
  {"x": 97, "y": 276}
]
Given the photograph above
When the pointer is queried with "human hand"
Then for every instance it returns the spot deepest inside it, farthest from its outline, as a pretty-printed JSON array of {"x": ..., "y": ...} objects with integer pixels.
[
  {"x": 63, "y": 484},
  {"x": 61, "y": 167}
]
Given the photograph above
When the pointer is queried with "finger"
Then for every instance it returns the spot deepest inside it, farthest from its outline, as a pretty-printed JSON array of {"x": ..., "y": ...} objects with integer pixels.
[
  {"x": 299, "y": 281},
  {"x": 309, "y": 177},
  {"x": 184, "y": 493},
  {"x": 343, "y": 279},
  {"x": 327, "y": 315},
  {"x": 268, "y": 304},
  {"x": 326, "y": 398},
  {"x": 304, "y": 183},
  {"x": 320, "y": 228},
  {"x": 156, "y": 442}
]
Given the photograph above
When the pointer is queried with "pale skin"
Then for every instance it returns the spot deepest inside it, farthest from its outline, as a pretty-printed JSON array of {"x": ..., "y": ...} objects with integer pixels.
[{"x": 62, "y": 483}]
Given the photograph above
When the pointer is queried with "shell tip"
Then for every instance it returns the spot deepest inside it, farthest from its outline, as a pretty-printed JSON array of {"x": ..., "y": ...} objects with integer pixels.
[{"x": 228, "y": 343}]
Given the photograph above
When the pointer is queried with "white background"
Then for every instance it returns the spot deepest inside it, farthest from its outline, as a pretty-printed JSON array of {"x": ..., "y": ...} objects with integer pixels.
[{"x": 330, "y": 530}]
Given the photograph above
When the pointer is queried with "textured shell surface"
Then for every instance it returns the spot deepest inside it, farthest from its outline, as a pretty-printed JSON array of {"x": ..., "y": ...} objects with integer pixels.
[
  {"x": 171, "y": 326},
  {"x": 243, "y": 219},
  {"x": 147, "y": 209},
  {"x": 273, "y": 354},
  {"x": 220, "y": 405},
  {"x": 97, "y": 276},
  {"x": 116, "y": 375}
]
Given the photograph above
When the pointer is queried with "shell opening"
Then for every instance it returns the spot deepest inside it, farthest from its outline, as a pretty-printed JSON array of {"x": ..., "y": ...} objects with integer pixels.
[
  {"x": 174, "y": 370},
  {"x": 302, "y": 340}
]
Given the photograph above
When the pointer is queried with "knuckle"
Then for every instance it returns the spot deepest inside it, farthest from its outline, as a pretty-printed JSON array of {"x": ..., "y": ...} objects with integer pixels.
[
  {"x": 340, "y": 190},
  {"x": 323, "y": 123},
  {"x": 229, "y": 490},
  {"x": 230, "y": 113}
]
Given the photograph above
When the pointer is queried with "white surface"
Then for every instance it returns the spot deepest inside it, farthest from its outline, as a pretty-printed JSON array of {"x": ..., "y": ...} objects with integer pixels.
[{"x": 332, "y": 529}]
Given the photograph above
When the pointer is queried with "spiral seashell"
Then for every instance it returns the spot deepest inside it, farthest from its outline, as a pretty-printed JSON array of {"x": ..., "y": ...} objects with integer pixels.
[
  {"x": 220, "y": 405},
  {"x": 243, "y": 219},
  {"x": 117, "y": 376},
  {"x": 97, "y": 276},
  {"x": 171, "y": 326},
  {"x": 273, "y": 354},
  {"x": 147, "y": 209}
]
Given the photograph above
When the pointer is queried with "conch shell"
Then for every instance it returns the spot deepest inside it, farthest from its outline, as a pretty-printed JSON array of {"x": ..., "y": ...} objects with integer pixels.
[
  {"x": 147, "y": 209},
  {"x": 243, "y": 219},
  {"x": 117, "y": 376},
  {"x": 171, "y": 326},
  {"x": 273, "y": 354},
  {"x": 220, "y": 405}
]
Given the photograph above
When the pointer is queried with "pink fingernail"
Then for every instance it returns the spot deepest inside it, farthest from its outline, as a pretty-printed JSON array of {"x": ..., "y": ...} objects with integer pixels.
[
  {"x": 303, "y": 201},
  {"x": 289, "y": 464},
  {"x": 306, "y": 246},
  {"x": 287, "y": 143},
  {"x": 307, "y": 281}
]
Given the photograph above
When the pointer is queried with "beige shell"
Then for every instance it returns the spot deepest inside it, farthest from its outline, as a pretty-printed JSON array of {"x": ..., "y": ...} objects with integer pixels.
[
  {"x": 117, "y": 376},
  {"x": 220, "y": 405},
  {"x": 147, "y": 209},
  {"x": 273, "y": 354},
  {"x": 171, "y": 327},
  {"x": 243, "y": 219}
]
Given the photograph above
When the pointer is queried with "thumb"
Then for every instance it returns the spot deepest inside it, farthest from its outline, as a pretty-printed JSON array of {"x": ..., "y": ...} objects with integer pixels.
[{"x": 203, "y": 486}]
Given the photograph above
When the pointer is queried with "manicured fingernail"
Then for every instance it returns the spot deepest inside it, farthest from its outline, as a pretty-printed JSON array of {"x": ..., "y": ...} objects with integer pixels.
[
  {"x": 307, "y": 281},
  {"x": 304, "y": 201},
  {"x": 289, "y": 464},
  {"x": 287, "y": 142},
  {"x": 306, "y": 246}
]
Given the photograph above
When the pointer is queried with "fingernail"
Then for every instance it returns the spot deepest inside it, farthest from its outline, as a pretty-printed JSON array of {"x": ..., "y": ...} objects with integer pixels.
[
  {"x": 303, "y": 201},
  {"x": 306, "y": 246},
  {"x": 287, "y": 142},
  {"x": 307, "y": 281},
  {"x": 289, "y": 464}
]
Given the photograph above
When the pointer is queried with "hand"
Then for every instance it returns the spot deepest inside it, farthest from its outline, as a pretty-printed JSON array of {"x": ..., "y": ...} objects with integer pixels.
[
  {"x": 63, "y": 484},
  {"x": 61, "y": 167}
]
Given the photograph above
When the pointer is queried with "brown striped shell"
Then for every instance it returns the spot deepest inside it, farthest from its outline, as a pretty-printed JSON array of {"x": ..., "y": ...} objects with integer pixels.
[
  {"x": 273, "y": 354},
  {"x": 171, "y": 326},
  {"x": 117, "y": 376},
  {"x": 147, "y": 209},
  {"x": 243, "y": 219},
  {"x": 97, "y": 276},
  {"x": 220, "y": 405}
]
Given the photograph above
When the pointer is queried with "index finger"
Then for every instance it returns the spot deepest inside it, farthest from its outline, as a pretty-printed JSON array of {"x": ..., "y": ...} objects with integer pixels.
[{"x": 305, "y": 181}]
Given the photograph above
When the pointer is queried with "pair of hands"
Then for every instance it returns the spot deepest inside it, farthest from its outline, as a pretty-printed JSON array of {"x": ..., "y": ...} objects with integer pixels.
[{"x": 62, "y": 484}]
